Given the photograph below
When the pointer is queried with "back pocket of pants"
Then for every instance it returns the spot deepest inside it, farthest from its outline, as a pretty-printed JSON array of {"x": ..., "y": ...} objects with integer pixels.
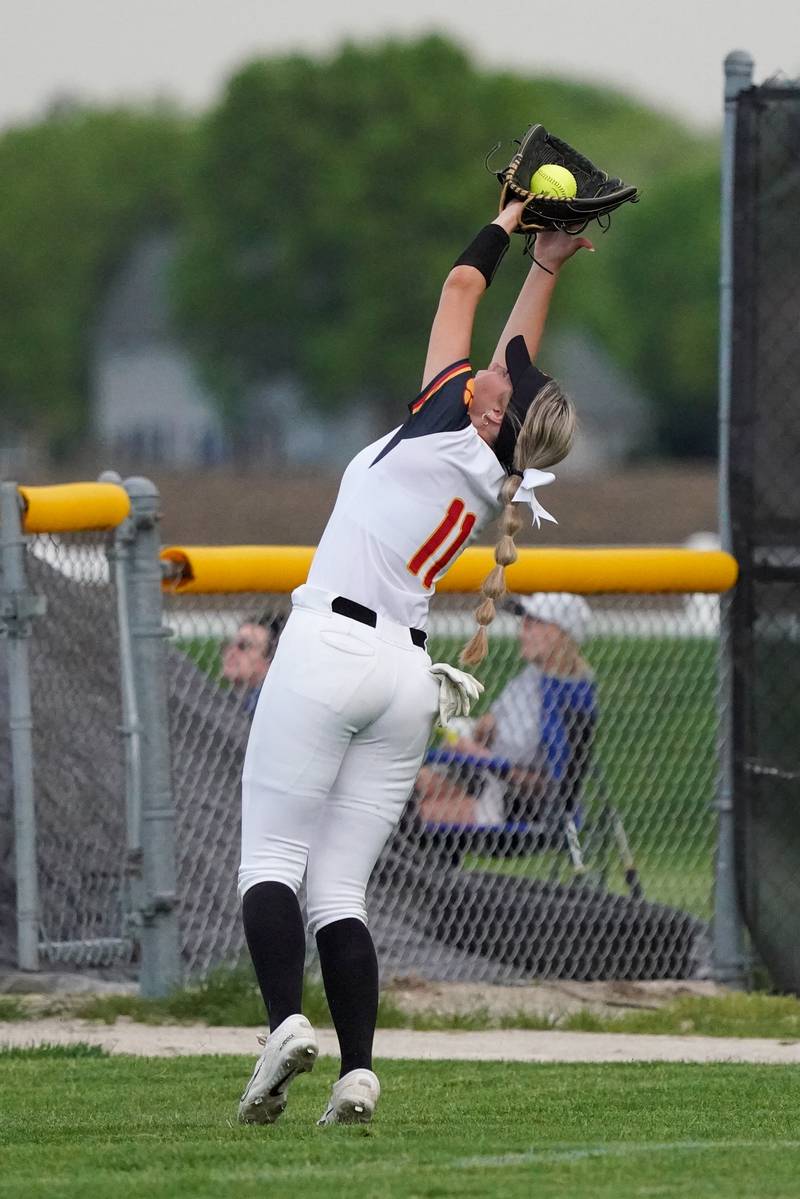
[{"x": 331, "y": 668}]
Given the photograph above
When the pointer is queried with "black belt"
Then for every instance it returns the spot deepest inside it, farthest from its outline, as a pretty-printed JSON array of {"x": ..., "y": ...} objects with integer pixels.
[{"x": 348, "y": 607}]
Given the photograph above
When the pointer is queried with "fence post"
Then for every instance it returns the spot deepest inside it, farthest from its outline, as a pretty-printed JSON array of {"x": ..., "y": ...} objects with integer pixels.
[
  {"x": 729, "y": 963},
  {"x": 161, "y": 967},
  {"x": 17, "y": 607},
  {"x": 118, "y": 555}
]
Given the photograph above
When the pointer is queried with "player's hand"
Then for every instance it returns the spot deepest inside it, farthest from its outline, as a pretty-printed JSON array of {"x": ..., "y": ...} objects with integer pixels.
[
  {"x": 483, "y": 732},
  {"x": 509, "y": 218},
  {"x": 472, "y": 748},
  {"x": 553, "y": 247}
]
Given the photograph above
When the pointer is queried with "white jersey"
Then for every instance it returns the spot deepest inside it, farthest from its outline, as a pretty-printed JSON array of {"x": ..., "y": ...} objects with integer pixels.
[{"x": 409, "y": 504}]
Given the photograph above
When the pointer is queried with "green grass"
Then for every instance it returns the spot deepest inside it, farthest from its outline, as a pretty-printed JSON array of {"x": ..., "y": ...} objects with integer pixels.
[
  {"x": 733, "y": 1015},
  {"x": 12, "y": 1008},
  {"x": 680, "y": 882},
  {"x": 91, "y": 1127},
  {"x": 37, "y": 1053},
  {"x": 205, "y": 652},
  {"x": 230, "y": 997}
]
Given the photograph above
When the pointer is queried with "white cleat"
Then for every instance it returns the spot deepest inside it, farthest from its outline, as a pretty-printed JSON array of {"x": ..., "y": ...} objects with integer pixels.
[
  {"x": 353, "y": 1099},
  {"x": 288, "y": 1051}
]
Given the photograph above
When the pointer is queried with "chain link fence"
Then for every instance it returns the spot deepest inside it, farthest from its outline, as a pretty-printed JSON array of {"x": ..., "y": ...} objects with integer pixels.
[
  {"x": 209, "y": 727},
  {"x": 586, "y": 853},
  {"x": 86, "y": 815},
  {"x": 763, "y": 449},
  {"x": 567, "y": 830},
  {"x": 78, "y": 759}
]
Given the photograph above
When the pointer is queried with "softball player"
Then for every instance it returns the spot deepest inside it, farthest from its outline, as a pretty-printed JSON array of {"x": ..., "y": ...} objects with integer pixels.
[{"x": 345, "y": 714}]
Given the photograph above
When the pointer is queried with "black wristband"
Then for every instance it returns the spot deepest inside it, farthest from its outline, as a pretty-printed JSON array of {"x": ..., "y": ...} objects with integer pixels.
[{"x": 485, "y": 251}]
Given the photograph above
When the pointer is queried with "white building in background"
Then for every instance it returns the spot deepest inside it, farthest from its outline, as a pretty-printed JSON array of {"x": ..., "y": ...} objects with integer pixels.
[
  {"x": 294, "y": 433},
  {"x": 615, "y": 418},
  {"x": 147, "y": 401},
  {"x": 149, "y": 404}
]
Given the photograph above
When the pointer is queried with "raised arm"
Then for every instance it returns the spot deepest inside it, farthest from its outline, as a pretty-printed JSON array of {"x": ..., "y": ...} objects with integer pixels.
[
  {"x": 451, "y": 331},
  {"x": 529, "y": 314}
]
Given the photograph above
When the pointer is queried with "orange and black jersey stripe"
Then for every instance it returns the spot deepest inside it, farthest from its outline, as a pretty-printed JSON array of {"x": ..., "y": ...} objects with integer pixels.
[{"x": 441, "y": 407}]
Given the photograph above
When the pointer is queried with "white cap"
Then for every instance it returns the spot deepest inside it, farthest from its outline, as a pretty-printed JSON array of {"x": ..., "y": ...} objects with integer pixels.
[{"x": 570, "y": 612}]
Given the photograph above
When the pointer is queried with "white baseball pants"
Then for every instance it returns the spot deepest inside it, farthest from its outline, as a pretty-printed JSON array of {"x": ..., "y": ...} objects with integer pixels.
[{"x": 338, "y": 736}]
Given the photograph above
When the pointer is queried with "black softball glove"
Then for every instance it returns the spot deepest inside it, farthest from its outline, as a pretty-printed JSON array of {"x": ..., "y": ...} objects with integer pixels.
[{"x": 597, "y": 194}]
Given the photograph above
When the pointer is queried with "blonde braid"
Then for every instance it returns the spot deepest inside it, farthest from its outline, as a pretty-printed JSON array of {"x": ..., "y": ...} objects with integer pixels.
[
  {"x": 494, "y": 585},
  {"x": 545, "y": 438}
]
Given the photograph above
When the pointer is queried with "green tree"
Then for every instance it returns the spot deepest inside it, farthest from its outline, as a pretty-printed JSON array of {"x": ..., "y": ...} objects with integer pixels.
[
  {"x": 77, "y": 189},
  {"x": 332, "y": 195},
  {"x": 672, "y": 308},
  {"x": 321, "y": 204}
]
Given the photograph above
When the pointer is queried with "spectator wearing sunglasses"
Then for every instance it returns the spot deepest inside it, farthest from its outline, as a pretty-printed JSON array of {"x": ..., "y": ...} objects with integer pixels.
[{"x": 247, "y": 657}]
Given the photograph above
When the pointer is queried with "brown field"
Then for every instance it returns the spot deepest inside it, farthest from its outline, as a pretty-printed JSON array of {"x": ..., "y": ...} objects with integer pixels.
[{"x": 659, "y": 503}]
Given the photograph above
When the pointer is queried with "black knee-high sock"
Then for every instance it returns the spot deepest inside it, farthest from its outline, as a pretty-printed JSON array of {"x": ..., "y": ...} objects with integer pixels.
[
  {"x": 273, "y": 926},
  {"x": 350, "y": 974}
]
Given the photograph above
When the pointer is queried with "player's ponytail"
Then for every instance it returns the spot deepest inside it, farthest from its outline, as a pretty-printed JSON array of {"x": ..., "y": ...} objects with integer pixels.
[
  {"x": 494, "y": 585},
  {"x": 545, "y": 438}
]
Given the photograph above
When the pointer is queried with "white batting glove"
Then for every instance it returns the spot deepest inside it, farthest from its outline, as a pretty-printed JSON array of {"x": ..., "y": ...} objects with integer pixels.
[{"x": 458, "y": 691}]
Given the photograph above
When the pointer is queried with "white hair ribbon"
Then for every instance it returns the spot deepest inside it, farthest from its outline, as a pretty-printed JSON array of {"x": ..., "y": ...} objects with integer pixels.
[{"x": 525, "y": 494}]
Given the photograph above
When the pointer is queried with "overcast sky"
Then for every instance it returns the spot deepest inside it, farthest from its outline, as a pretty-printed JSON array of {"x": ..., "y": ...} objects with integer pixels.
[{"x": 669, "y": 54}]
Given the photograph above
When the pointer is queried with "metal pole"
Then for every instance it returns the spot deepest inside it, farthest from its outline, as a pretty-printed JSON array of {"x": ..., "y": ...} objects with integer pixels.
[
  {"x": 729, "y": 963},
  {"x": 118, "y": 555},
  {"x": 18, "y": 606},
  {"x": 161, "y": 967}
]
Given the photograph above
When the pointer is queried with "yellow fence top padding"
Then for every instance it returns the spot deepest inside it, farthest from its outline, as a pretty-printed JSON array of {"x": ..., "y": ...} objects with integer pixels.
[
  {"x": 202, "y": 569},
  {"x": 592, "y": 570},
  {"x": 213, "y": 568},
  {"x": 73, "y": 507}
]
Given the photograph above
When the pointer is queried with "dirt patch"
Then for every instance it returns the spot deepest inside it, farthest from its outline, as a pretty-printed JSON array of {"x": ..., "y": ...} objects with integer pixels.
[
  {"x": 654, "y": 503},
  {"x": 493, "y": 1045},
  {"x": 547, "y": 999},
  {"x": 651, "y": 503},
  {"x": 44, "y": 993}
]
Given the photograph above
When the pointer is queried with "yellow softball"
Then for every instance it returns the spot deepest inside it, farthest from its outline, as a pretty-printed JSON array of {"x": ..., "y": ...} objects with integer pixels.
[{"x": 554, "y": 181}]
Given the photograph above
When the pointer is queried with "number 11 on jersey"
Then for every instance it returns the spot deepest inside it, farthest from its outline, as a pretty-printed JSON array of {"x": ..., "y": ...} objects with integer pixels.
[{"x": 427, "y": 562}]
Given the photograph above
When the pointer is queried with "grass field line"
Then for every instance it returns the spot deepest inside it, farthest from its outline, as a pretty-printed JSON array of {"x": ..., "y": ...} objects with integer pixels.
[
  {"x": 522, "y": 1045},
  {"x": 570, "y": 1153}
]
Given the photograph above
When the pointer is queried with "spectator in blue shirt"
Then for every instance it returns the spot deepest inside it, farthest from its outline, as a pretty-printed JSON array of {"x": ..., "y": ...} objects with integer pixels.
[{"x": 542, "y": 723}]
